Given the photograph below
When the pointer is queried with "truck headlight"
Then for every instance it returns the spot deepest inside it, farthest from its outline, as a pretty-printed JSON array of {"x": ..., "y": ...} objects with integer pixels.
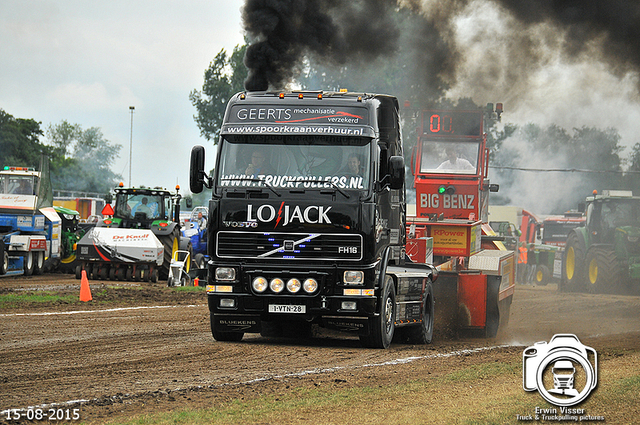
[
  {"x": 276, "y": 285},
  {"x": 225, "y": 273},
  {"x": 293, "y": 285},
  {"x": 353, "y": 277},
  {"x": 260, "y": 284},
  {"x": 310, "y": 285}
]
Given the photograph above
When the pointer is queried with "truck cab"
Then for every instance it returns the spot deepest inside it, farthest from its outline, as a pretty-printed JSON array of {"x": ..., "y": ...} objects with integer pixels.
[
  {"x": 29, "y": 226},
  {"x": 307, "y": 215}
]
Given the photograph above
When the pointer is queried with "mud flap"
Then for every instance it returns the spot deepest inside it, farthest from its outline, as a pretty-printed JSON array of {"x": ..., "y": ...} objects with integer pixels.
[
  {"x": 445, "y": 294},
  {"x": 231, "y": 323},
  {"x": 466, "y": 304},
  {"x": 347, "y": 324}
]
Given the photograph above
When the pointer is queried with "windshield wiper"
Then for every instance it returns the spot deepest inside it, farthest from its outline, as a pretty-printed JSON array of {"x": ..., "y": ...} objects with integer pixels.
[
  {"x": 253, "y": 180},
  {"x": 335, "y": 186}
]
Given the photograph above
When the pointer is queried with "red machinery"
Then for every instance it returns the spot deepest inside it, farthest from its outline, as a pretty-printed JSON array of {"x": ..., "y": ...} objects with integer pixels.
[{"x": 477, "y": 278}]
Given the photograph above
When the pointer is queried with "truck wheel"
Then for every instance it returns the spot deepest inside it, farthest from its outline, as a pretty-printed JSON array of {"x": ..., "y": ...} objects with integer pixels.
[
  {"x": 5, "y": 263},
  {"x": 542, "y": 276},
  {"x": 423, "y": 334},
  {"x": 604, "y": 272},
  {"x": 382, "y": 327},
  {"x": 225, "y": 336},
  {"x": 28, "y": 263},
  {"x": 39, "y": 263},
  {"x": 573, "y": 266}
]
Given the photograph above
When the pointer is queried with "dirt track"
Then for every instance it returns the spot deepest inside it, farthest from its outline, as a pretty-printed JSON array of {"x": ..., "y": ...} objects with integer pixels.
[{"x": 157, "y": 353}]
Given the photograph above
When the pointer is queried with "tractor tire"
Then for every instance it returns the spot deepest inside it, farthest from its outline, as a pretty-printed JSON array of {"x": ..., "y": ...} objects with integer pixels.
[
  {"x": 29, "y": 264},
  {"x": 574, "y": 264},
  {"x": 170, "y": 243},
  {"x": 604, "y": 272},
  {"x": 542, "y": 275},
  {"x": 423, "y": 333},
  {"x": 200, "y": 261},
  {"x": 225, "y": 336},
  {"x": 382, "y": 327}
]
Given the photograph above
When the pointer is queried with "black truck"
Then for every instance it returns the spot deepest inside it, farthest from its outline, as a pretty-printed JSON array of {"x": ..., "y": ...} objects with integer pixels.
[{"x": 307, "y": 220}]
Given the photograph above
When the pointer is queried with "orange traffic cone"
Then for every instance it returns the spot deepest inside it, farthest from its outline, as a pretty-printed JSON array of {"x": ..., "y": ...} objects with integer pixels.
[
  {"x": 196, "y": 281},
  {"x": 85, "y": 290}
]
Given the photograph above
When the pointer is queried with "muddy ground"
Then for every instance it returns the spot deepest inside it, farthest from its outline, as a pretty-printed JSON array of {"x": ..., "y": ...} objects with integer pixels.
[{"x": 143, "y": 348}]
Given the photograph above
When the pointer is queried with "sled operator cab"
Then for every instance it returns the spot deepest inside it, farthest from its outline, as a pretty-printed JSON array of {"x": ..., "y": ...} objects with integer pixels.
[{"x": 450, "y": 165}]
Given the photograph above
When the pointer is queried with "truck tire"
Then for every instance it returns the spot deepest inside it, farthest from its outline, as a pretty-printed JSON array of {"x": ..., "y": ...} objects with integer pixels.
[
  {"x": 573, "y": 264},
  {"x": 382, "y": 327},
  {"x": 5, "y": 263},
  {"x": 604, "y": 272},
  {"x": 225, "y": 336},
  {"x": 423, "y": 334},
  {"x": 29, "y": 264},
  {"x": 542, "y": 275},
  {"x": 38, "y": 267},
  {"x": 170, "y": 243}
]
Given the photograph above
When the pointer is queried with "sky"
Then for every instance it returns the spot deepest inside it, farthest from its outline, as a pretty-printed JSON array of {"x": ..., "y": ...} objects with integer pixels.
[{"x": 87, "y": 62}]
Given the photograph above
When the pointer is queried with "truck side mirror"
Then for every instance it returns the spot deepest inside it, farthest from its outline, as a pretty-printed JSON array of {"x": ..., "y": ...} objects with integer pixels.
[
  {"x": 188, "y": 201},
  {"x": 396, "y": 172},
  {"x": 196, "y": 170}
]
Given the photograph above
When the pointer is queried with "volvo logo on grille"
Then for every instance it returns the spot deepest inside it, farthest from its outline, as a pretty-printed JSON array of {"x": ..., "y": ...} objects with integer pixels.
[{"x": 289, "y": 245}]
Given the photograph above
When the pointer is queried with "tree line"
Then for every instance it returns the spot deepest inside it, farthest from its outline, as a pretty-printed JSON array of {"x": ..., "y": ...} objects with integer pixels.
[{"x": 80, "y": 160}]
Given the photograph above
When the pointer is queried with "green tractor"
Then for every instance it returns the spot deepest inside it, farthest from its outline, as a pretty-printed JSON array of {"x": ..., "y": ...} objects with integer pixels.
[
  {"x": 155, "y": 209},
  {"x": 70, "y": 235},
  {"x": 604, "y": 255}
]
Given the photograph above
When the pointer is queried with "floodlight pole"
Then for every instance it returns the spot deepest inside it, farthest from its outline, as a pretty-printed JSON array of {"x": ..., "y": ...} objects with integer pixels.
[{"x": 131, "y": 108}]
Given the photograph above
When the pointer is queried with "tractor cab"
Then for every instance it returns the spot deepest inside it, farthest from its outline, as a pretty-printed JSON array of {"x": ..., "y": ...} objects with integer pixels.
[{"x": 609, "y": 211}]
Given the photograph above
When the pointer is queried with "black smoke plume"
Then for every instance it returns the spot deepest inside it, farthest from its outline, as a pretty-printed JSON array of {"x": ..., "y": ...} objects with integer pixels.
[
  {"x": 282, "y": 32},
  {"x": 612, "y": 27}
]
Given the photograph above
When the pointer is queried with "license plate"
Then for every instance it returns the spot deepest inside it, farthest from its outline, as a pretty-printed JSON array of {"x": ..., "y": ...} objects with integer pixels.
[{"x": 279, "y": 308}]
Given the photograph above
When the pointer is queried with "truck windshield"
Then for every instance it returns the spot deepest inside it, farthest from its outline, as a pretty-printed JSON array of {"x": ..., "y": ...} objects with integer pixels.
[
  {"x": 17, "y": 185},
  {"x": 295, "y": 162},
  {"x": 449, "y": 157}
]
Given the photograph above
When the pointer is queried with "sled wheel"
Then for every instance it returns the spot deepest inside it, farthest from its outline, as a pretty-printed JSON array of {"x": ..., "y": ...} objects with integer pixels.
[{"x": 153, "y": 275}]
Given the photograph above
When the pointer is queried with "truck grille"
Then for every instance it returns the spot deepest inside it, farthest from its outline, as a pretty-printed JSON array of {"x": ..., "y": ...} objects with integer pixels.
[{"x": 289, "y": 246}]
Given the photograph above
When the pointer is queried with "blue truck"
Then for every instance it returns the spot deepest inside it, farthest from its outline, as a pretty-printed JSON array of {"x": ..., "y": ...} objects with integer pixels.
[{"x": 30, "y": 228}]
